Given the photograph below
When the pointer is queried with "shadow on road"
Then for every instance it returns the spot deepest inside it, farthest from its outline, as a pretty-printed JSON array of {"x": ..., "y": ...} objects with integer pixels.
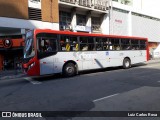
[{"x": 68, "y": 95}]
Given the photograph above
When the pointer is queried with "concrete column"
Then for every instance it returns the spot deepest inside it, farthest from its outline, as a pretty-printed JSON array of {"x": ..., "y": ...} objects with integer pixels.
[
  {"x": 74, "y": 18},
  {"x": 105, "y": 26},
  {"x": 77, "y": 2},
  {"x": 89, "y": 22}
]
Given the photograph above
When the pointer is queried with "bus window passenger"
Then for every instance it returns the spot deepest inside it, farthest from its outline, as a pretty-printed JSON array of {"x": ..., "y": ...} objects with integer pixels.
[
  {"x": 99, "y": 48},
  {"x": 85, "y": 48},
  {"x": 118, "y": 48},
  {"x": 77, "y": 47},
  {"x": 68, "y": 47}
]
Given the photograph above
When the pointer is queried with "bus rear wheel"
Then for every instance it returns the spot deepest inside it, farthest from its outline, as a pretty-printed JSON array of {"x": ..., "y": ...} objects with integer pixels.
[
  {"x": 69, "y": 70},
  {"x": 126, "y": 63}
]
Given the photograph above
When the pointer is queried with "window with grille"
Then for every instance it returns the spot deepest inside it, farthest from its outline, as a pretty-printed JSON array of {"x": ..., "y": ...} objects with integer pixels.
[
  {"x": 35, "y": 14},
  {"x": 81, "y": 20},
  {"x": 65, "y": 20},
  {"x": 96, "y": 23}
]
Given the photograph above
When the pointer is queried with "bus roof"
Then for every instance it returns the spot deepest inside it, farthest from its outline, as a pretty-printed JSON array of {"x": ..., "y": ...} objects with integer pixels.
[{"x": 84, "y": 34}]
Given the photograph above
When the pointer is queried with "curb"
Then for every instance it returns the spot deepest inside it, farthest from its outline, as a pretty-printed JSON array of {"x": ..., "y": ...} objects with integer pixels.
[{"x": 12, "y": 77}]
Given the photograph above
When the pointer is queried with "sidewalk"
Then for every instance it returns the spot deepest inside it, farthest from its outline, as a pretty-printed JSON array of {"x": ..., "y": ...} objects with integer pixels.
[
  {"x": 153, "y": 61},
  {"x": 11, "y": 74}
]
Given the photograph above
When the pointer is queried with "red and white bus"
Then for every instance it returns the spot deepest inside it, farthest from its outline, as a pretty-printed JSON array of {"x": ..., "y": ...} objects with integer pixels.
[{"x": 50, "y": 52}]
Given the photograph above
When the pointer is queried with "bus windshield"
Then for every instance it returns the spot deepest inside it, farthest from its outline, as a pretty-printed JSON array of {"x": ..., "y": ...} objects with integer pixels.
[{"x": 29, "y": 50}]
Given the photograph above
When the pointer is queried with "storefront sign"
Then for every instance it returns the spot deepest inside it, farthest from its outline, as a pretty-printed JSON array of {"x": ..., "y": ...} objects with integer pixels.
[
  {"x": 7, "y": 43},
  {"x": 118, "y": 21},
  {"x": 82, "y": 28},
  {"x": 34, "y": 4}
]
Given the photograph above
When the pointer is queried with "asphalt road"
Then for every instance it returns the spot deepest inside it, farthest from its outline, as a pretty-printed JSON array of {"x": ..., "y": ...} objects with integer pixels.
[{"x": 112, "y": 89}]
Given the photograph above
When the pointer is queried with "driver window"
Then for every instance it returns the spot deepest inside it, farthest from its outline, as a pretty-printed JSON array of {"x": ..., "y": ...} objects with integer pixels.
[{"x": 46, "y": 44}]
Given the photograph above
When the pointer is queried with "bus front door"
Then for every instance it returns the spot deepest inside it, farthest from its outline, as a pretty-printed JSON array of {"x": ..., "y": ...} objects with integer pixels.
[{"x": 46, "y": 66}]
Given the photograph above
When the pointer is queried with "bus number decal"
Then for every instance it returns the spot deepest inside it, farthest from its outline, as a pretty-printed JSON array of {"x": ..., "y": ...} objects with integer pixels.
[{"x": 107, "y": 53}]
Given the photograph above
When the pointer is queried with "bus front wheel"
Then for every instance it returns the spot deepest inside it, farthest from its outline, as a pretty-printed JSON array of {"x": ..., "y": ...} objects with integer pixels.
[
  {"x": 126, "y": 63},
  {"x": 69, "y": 70}
]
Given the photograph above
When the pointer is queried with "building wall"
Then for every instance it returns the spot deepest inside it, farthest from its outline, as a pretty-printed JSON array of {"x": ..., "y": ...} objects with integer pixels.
[
  {"x": 14, "y": 14},
  {"x": 50, "y": 12},
  {"x": 14, "y": 8},
  {"x": 19, "y": 9},
  {"x": 119, "y": 23},
  {"x": 145, "y": 27}
]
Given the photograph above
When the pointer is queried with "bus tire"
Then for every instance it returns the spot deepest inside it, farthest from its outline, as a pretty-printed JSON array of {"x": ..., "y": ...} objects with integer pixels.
[
  {"x": 69, "y": 70},
  {"x": 126, "y": 63}
]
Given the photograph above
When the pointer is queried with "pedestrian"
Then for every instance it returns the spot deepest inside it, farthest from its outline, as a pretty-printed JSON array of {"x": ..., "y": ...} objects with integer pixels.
[{"x": 5, "y": 64}]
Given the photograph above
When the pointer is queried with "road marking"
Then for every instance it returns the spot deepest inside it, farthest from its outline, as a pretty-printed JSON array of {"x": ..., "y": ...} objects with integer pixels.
[
  {"x": 32, "y": 81},
  {"x": 105, "y": 97}
]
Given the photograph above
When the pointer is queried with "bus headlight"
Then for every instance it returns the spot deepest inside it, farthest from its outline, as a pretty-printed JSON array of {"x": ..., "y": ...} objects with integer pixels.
[{"x": 31, "y": 65}]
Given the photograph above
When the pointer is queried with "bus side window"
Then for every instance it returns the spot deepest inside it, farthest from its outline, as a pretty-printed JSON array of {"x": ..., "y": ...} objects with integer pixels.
[
  {"x": 83, "y": 43},
  {"x": 91, "y": 45},
  {"x": 73, "y": 43},
  {"x": 98, "y": 44},
  {"x": 135, "y": 44},
  {"x": 126, "y": 44},
  {"x": 106, "y": 45},
  {"x": 110, "y": 44},
  {"x": 142, "y": 44}
]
